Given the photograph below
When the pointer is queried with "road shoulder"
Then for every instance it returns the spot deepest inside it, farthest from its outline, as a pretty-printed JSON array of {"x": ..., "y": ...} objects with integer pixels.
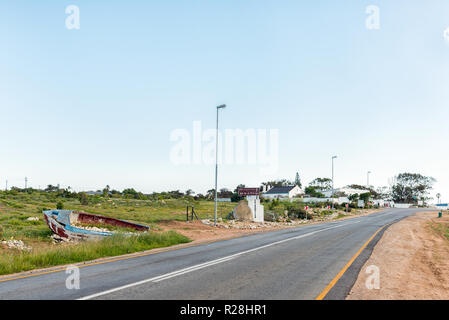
[{"x": 412, "y": 258}]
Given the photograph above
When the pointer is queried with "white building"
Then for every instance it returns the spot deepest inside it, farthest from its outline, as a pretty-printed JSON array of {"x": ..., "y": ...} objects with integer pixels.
[
  {"x": 287, "y": 192},
  {"x": 339, "y": 200},
  {"x": 346, "y": 190}
]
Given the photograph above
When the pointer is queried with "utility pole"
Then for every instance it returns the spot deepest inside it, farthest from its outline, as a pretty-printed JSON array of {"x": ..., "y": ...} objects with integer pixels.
[
  {"x": 334, "y": 157},
  {"x": 6, "y": 189},
  {"x": 216, "y": 163},
  {"x": 26, "y": 182},
  {"x": 367, "y": 178}
]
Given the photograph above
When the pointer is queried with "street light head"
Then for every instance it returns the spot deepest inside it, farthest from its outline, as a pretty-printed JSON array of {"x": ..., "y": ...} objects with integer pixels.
[
  {"x": 334, "y": 157},
  {"x": 221, "y": 106}
]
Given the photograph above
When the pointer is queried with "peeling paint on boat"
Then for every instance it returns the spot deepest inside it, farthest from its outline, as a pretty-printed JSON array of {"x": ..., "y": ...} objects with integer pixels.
[{"x": 62, "y": 223}]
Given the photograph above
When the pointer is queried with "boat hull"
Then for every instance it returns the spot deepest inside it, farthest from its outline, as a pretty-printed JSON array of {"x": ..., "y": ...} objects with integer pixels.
[{"x": 62, "y": 222}]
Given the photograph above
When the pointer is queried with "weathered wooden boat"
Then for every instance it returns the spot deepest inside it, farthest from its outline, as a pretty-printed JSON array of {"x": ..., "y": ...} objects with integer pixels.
[{"x": 63, "y": 223}]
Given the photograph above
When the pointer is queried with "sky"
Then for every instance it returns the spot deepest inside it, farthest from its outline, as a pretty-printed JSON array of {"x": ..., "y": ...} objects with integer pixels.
[{"x": 98, "y": 105}]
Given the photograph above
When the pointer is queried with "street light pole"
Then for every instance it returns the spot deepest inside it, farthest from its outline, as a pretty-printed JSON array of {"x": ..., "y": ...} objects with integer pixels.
[
  {"x": 334, "y": 157},
  {"x": 216, "y": 164},
  {"x": 367, "y": 178}
]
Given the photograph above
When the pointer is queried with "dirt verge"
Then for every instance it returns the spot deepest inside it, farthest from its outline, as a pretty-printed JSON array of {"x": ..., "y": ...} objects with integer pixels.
[
  {"x": 413, "y": 262},
  {"x": 199, "y": 231}
]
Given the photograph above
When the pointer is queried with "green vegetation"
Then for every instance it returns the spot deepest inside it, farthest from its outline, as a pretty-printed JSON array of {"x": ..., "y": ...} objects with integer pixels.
[
  {"x": 411, "y": 188},
  {"x": 441, "y": 228},
  {"x": 18, "y": 205},
  {"x": 311, "y": 191},
  {"x": 16, "y": 261},
  {"x": 19, "y": 209},
  {"x": 277, "y": 209}
]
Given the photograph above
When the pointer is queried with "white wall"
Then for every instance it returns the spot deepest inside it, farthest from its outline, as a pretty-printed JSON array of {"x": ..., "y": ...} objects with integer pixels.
[
  {"x": 402, "y": 205},
  {"x": 295, "y": 191},
  {"x": 276, "y": 196},
  {"x": 256, "y": 208}
]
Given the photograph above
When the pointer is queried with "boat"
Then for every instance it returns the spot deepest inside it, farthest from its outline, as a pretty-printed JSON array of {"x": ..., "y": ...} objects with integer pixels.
[{"x": 63, "y": 223}]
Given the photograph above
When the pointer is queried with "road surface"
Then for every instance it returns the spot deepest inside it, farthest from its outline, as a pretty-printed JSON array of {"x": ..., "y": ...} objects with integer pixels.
[{"x": 296, "y": 263}]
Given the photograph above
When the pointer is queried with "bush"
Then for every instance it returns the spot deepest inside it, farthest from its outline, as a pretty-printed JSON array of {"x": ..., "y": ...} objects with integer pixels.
[
  {"x": 274, "y": 204},
  {"x": 271, "y": 216},
  {"x": 59, "y": 205},
  {"x": 83, "y": 199},
  {"x": 297, "y": 211}
]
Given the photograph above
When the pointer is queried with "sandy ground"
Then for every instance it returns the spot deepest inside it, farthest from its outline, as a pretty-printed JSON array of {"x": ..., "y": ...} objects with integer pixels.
[
  {"x": 413, "y": 262},
  {"x": 198, "y": 231}
]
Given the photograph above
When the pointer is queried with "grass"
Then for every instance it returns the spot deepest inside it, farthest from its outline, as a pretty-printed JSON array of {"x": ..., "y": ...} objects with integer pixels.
[
  {"x": 441, "y": 228},
  {"x": 17, "y": 261},
  {"x": 17, "y": 207}
]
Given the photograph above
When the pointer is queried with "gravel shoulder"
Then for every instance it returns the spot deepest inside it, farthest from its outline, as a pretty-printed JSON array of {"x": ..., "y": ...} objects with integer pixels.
[
  {"x": 413, "y": 261},
  {"x": 199, "y": 231}
]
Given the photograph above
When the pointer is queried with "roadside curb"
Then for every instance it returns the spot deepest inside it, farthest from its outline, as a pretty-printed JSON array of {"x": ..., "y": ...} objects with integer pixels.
[{"x": 344, "y": 285}]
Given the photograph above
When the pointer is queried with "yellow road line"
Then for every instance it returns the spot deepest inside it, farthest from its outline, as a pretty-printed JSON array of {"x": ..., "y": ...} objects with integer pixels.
[
  {"x": 100, "y": 262},
  {"x": 342, "y": 271}
]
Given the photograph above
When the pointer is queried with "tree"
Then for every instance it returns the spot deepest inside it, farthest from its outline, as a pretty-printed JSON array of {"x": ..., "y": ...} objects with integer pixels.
[
  {"x": 235, "y": 196},
  {"x": 321, "y": 183},
  {"x": 51, "y": 188},
  {"x": 130, "y": 193},
  {"x": 373, "y": 192},
  {"x": 83, "y": 199},
  {"x": 106, "y": 191},
  {"x": 278, "y": 183},
  {"x": 311, "y": 191},
  {"x": 298, "y": 180},
  {"x": 366, "y": 198},
  {"x": 210, "y": 194},
  {"x": 411, "y": 187},
  {"x": 382, "y": 193},
  {"x": 190, "y": 192},
  {"x": 225, "y": 193}
]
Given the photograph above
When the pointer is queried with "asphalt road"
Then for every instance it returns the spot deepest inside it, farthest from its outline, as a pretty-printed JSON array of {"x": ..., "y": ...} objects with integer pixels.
[{"x": 288, "y": 264}]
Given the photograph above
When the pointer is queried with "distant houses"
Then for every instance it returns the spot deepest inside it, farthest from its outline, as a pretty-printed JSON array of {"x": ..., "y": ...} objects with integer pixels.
[
  {"x": 346, "y": 190},
  {"x": 286, "y": 192}
]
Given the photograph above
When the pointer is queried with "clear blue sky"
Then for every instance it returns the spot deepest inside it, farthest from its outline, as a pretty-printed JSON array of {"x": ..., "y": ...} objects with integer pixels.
[{"x": 96, "y": 106}]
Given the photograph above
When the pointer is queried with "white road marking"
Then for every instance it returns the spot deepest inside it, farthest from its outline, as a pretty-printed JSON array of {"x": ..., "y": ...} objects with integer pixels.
[{"x": 206, "y": 264}]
